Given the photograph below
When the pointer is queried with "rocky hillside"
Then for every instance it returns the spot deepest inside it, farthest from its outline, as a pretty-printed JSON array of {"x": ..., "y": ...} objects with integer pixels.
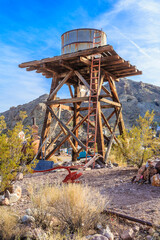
[{"x": 136, "y": 98}]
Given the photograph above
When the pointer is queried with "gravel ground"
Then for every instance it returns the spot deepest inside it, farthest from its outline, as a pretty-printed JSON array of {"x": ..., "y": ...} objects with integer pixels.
[{"x": 140, "y": 201}]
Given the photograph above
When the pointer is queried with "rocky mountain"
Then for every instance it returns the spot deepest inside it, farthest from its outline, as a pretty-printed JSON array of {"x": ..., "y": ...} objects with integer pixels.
[{"x": 136, "y": 99}]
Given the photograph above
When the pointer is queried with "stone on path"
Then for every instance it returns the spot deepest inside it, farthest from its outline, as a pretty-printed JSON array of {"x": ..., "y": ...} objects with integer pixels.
[{"x": 128, "y": 234}]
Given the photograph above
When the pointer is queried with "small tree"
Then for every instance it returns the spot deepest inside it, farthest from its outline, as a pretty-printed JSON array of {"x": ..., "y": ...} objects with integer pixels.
[
  {"x": 137, "y": 145},
  {"x": 12, "y": 158}
]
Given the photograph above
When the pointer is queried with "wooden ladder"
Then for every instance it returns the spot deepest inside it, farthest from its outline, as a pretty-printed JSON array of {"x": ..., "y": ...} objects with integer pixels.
[{"x": 93, "y": 99}]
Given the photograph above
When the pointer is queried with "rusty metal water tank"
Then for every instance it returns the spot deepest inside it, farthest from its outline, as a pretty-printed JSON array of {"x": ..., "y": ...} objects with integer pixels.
[{"x": 80, "y": 39}]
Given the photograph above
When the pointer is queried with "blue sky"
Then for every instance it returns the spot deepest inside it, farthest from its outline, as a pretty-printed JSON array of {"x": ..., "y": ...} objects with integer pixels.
[{"x": 31, "y": 30}]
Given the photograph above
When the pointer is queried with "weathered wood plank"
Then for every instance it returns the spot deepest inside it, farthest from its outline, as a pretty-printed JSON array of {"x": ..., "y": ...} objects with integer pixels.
[
  {"x": 73, "y": 100},
  {"x": 112, "y": 137},
  {"x": 66, "y": 128},
  {"x": 110, "y": 102},
  {"x": 70, "y": 90},
  {"x": 100, "y": 138},
  {"x": 68, "y": 56},
  {"x": 66, "y": 137},
  {"x": 58, "y": 135},
  {"x": 106, "y": 91},
  {"x": 61, "y": 84},
  {"x": 75, "y": 122},
  {"x": 63, "y": 107},
  {"x": 82, "y": 79},
  {"x": 69, "y": 139}
]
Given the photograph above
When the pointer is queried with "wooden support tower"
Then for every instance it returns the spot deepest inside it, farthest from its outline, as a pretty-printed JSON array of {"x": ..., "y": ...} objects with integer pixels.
[{"x": 74, "y": 70}]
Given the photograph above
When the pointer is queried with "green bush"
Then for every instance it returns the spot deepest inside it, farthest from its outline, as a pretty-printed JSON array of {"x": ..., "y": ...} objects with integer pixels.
[
  {"x": 139, "y": 144},
  {"x": 12, "y": 158}
]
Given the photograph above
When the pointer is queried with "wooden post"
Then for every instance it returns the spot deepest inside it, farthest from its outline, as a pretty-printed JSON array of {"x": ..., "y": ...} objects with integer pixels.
[
  {"x": 47, "y": 118},
  {"x": 75, "y": 121},
  {"x": 116, "y": 99},
  {"x": 112, "y": 136},
  {"x": 99, "y": 137}
]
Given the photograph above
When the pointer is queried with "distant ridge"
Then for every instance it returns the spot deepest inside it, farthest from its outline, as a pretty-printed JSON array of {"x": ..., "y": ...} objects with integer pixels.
[{"x": 136, "y": 99}]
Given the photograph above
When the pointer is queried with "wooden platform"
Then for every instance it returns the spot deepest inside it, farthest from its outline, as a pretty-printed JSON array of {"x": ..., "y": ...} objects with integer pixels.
[{"x": 111, "y": 63}]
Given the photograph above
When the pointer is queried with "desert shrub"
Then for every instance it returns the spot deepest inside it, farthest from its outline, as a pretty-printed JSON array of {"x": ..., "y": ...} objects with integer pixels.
[
  {"x": 12, "y": 158},
  {"x": 137, "y": 145},
  {"x": 71, "y": 207},
  {"x": 8, "y": 224}
]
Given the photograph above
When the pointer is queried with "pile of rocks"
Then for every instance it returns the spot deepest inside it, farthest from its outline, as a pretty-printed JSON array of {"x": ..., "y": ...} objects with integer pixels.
[{"x": 149, "y": 173}]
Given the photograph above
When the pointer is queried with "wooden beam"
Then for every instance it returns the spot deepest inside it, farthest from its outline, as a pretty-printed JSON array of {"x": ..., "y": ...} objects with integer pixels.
[
  {"x": 70, "y": 90},
  {"x": 47, "y": 118},
  {"x": 106, "y": 91},
  {"x": 102, "y": 106},
  {"x": 112, "y": 137},
  {"x": 63, "y": 107},
  {"x": 75, "y": 122},
  {"x": 116, "y": 98},
  {"x": 69, "y": 140},
  {"x": 66, "y": 137},
  {"x": 69, "y": 56},
  {"x": 110, "y": 102},
  {"x": 82, "y": 79},
  {"x": 61, "y": 84},
  {"x": 99, "y": 137},
  {"x": 111, "y": 115},
  {"x": 66, "y": 128},
  {"x": 59, "y": 134},
  {"x": 108, "y": 125},
  {"x": 63, "y": 64},
  {"x": 73, "y": 100},
  {"x": 120, "y": 75},
  {"x": 100, "y": 85}
]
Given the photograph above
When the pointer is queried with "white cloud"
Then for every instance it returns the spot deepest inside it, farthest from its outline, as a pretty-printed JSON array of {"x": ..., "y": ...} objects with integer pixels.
[{"x": 133, "y": 28}]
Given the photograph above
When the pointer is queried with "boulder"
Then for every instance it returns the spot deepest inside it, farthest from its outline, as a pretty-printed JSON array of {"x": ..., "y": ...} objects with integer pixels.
[
  {"x": 5, "y": 201},
  {"x": 19, "y": 176},
  {"x": 128, "y": 234},
  {"x": 155, "y": 180},
  {"x": 15, "y": 196},
  {"x": 98, "y": 237},
  {"x": 27, "y": 219}
]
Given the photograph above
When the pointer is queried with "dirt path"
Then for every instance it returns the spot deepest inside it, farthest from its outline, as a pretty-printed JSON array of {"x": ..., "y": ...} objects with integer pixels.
[{"x": 140, "y": 201}]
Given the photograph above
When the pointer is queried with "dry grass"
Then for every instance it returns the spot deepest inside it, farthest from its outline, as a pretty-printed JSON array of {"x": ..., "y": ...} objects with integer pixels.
[
  {"x": 72, "y": 207},
  {"x": 8, "y": 224},
  {"x": 120, "y": 161}
]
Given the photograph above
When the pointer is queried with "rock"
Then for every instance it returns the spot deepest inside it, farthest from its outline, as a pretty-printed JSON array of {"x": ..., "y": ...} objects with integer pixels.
[
  {"x": 19, "y": 176},
  {"x": 155, "y": 180},
  {"x": 156, "y": 235},
  {"x": 136, "y": 228},
  {"x": 92, "y": 232},
  {"x": 151, "y": 231},
  {"x": 1, "y": 198},
  {"x": 27, "y": 219},
  {"x": 115, "y": 164},
  {"x": 127, "y": 234},
  {"x": 15, "y": 196},
  {"x": 99, "y": 226},
  {"x": 29, "y": 212},
  {"x": 5, "y": 202},
  {"x": 149, "y": 237},
  {"x": 40, "y": 234},
  {"x": 98, "y": 237},
  {"x": 107, "y": 233}
]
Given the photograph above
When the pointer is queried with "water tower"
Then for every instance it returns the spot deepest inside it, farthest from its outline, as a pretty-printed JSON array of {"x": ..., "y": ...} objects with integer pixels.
[{"x": 86, "y": 61}]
